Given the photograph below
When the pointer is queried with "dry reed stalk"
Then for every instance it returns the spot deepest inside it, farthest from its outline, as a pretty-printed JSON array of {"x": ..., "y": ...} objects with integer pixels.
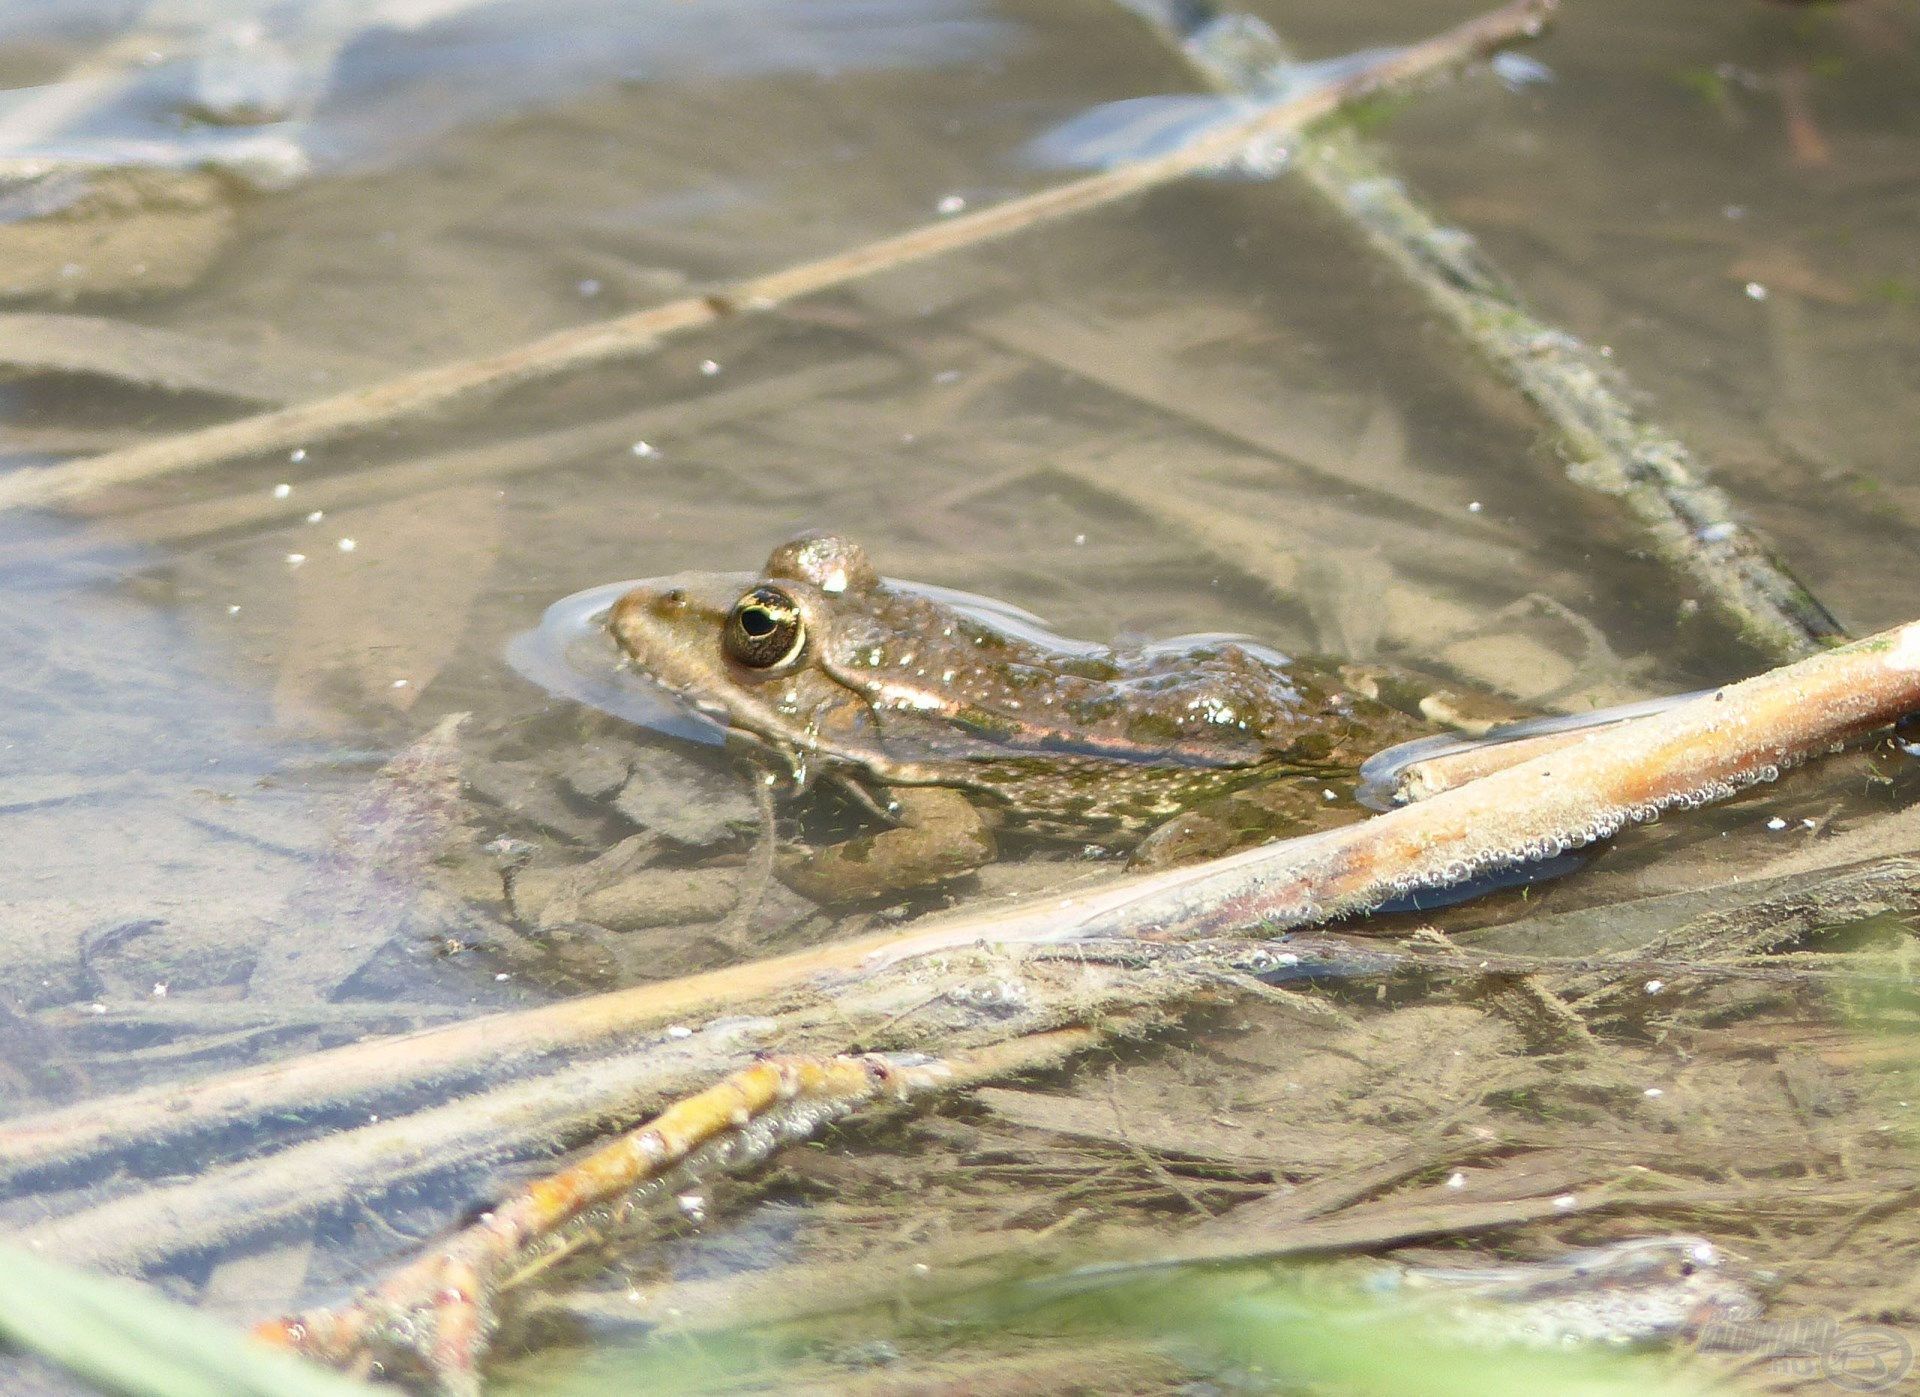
[{"x": 411, "y": 394}]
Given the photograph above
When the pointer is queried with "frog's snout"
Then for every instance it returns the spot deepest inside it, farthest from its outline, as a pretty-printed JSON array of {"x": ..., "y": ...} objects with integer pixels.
[
  {"x": 641, "y": 606},
  {"x": 633, "y": 616}
]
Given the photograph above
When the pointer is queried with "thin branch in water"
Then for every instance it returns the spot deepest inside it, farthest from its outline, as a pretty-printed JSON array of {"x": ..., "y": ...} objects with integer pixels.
[
  {"x": 1616, "y": 450},
  {"x": 224, "y": 1203},
  {"x": 628, "y": 335}
]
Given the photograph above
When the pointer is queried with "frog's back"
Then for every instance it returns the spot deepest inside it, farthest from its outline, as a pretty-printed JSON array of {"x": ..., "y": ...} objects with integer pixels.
[
  {"x": 1087, "y": 737},
  {"x": 822, "y": 661}
]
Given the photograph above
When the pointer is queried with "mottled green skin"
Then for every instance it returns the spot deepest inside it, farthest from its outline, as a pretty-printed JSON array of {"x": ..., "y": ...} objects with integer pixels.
[{"x": 896, "y": 688}]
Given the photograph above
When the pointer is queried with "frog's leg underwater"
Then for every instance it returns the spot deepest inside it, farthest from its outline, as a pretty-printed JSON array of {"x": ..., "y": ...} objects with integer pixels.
[
  {"x": 939, "y": 835},
  {"x": 1292, "y": 801},
  {"x": 1277, "y": 808}
]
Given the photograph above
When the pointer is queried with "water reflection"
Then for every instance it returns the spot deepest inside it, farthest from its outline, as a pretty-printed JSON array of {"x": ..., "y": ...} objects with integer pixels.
[{"x": 266, "y": 89}]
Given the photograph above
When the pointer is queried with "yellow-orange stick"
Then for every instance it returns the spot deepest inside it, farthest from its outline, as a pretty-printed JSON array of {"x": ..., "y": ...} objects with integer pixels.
[{"x": 440, "y": 1308}]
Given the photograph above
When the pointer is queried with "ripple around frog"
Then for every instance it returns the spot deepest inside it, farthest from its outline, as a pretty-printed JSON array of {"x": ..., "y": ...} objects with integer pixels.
[{"x": 571, "y": 653}]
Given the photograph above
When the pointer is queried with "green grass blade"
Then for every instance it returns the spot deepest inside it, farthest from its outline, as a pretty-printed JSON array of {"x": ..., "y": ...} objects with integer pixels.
[{"x": 128, "y": 1339}]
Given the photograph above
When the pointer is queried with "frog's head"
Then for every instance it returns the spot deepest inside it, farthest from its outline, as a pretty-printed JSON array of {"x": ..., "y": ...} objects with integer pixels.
[{"x": 749, "y": 652}]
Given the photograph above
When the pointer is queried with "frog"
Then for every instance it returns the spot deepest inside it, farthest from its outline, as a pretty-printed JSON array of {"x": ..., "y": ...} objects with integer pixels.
[{"x": 955, "y": 721}]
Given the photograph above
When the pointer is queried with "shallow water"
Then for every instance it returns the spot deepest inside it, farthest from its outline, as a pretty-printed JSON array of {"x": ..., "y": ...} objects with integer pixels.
[{"x": 1202, "y": 410}]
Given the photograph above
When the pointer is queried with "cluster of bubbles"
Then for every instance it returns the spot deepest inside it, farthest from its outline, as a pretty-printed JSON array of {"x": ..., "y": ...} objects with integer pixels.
[{"x": 999, "y": 995}]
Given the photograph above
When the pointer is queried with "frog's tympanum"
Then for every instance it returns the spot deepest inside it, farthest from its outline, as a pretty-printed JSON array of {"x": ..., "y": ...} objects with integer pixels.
[{"x": 957, "y": 719}]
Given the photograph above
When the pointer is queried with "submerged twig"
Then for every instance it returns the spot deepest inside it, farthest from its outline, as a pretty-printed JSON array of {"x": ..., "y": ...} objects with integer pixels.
[
  {"x": 1615, "y": 448},
  {"x": 441, "y": 1308},
  {"x": 234, "y": 1201},
  {"x": 1118, "y": 982},
  {"x": 668, "y": 420},
  {"x": 543, "y": 450},
  {"x": 1697, "y": 752},
  {"x": 628, "y": 335},
  {"x": 1398, "y": 1223}
]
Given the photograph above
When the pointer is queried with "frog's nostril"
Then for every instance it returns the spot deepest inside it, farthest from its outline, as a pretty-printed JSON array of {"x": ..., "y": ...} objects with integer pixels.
[{"x": 672, "y": 600}]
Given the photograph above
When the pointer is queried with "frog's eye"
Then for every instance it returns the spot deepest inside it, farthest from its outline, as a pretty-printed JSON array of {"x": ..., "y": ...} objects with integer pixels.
[{"x": 764, "y": 629}]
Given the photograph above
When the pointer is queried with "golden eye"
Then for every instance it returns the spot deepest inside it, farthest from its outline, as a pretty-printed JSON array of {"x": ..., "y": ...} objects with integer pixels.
[{"x": 764, "y": 629}]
